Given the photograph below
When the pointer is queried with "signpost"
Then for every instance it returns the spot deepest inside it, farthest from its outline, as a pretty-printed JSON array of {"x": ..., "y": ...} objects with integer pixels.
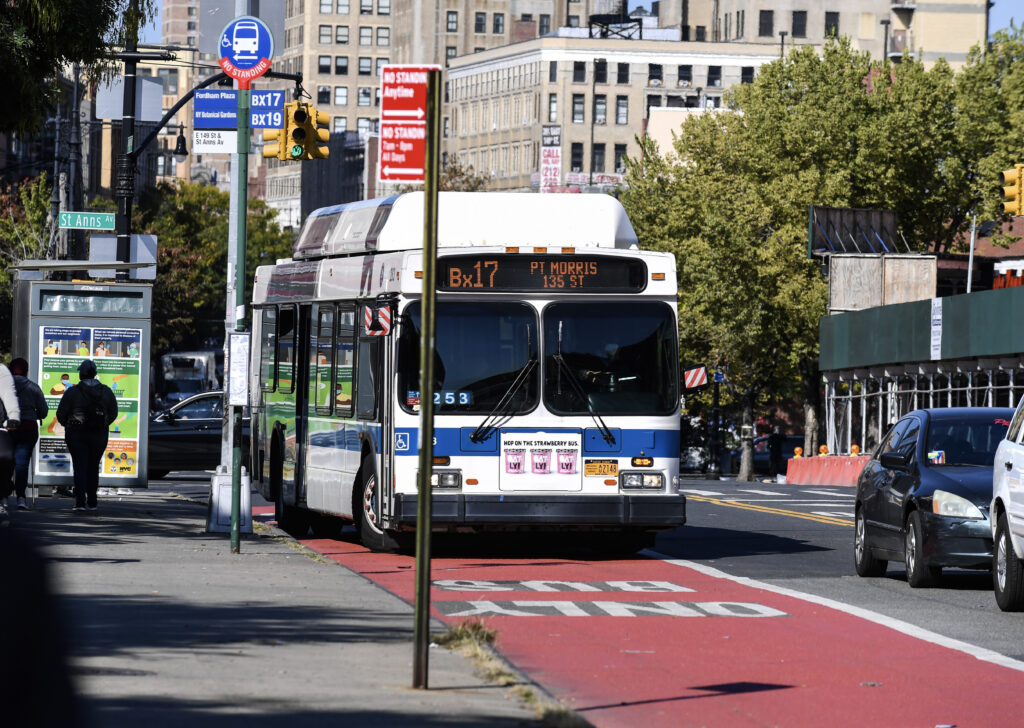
[
  {"x": 246, "y": 47},
  {"x": 86, "y": 220},
  {"x": 403, "y": 123}
]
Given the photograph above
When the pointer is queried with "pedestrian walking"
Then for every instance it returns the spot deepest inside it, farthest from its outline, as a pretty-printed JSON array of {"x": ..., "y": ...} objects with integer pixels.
[
  {"x": 10, "y": 419},
  {"x": 33, "y": 410},
  {"x": 86, "y": 411}
]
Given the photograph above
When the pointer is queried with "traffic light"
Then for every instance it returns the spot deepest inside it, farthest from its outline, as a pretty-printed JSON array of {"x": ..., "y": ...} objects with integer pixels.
[
  {"x": 296, "y": 123},
  {"x": 319, "y": 121},
  {"x": 1013, "y": 190},
  {"x": 301, "y": 136}
]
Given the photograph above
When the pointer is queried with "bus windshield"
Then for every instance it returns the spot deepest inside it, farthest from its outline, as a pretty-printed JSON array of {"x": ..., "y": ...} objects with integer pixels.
[
  {"x": 481, "y": 348},
  {"x": 620, "y": 355}
]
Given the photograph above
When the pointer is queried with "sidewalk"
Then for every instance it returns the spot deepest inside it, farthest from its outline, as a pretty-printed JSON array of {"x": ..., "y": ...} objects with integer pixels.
[{"x": 168, "y": 628}]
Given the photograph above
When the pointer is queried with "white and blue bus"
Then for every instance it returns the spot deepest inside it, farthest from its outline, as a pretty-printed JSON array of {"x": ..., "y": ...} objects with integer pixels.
[{"x": 556, "y": 393}]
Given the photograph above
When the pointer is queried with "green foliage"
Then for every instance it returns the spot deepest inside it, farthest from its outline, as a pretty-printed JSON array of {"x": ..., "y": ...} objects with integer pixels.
[
  {"x": 191, "y": 222},
  {"x": 24, "y": 235},
  {"x": 39, "y": 37},
  {"x": 453, "y": 176}
]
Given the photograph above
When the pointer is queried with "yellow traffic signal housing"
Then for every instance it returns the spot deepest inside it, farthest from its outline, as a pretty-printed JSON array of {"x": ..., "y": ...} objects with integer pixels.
[
  {"x": 1013, "y": 190},
  {"x": 277, "y": 148},
  {"x": 319, "y": 134},
  {"x": 296, "y": 120}
]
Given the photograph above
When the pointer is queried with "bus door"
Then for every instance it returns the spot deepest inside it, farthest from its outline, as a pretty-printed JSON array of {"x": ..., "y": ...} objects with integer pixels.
[
  {"x": 303, "y": 375},
  {"x": 375, "y": 393}
]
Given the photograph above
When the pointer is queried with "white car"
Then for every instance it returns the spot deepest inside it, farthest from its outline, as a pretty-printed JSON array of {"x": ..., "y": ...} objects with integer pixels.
[{"x": 1007, "y": 516}]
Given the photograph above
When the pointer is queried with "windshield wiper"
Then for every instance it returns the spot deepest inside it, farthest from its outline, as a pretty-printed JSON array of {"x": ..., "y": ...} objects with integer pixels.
[
  {"x": 499, "y": 410},
  {"x": 578, "y": 388}
]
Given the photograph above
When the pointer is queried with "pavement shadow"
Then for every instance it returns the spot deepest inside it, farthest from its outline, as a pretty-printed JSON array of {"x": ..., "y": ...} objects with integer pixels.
[{"x": 703, "y": 542}]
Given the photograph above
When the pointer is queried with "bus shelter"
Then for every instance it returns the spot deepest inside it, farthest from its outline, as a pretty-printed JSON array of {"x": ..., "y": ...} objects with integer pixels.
[{"x": 59, "y": 324}]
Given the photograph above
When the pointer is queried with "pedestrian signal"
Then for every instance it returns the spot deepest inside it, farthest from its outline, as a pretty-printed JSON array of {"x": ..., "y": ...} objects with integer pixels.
[{"x": 1013, "y": 190}]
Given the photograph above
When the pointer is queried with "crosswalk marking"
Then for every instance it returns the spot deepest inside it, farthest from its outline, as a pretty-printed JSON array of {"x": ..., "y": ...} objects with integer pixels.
[
  {"x": 759, "y": 492},
  {"x": 694, "y": 491}
]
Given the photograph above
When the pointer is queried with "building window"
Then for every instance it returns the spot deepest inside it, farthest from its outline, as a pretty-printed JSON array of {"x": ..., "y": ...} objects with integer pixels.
[
  {"x": 383, "y": 7},
  {"x": 376, "y": 96},
  {"x": 449, "y": 53},
  {"x": 600, "y": 108},
  {"x": 480, "y": 23},
  {"x": 366, "y": 36},
  {"x": 685, "y": 75},
  {"x": 325, "y": 6},
  {"x": 364, "y": 96},
  {"x": 714, "y": 75},
  {"x": 341, "y": 95},
  {"x": 545, "y": 24},
  {"x": 366, "y": 7},
  {"x": 169, "y": 77},
  {"x": 579, "y": 71},
  {"x": 701, "y": 34},
  {"x": 574, "y": 21},
  {"x": 620, "y": 158},
  {"x": 340, "y": 124},
  {"x": 577, "y": 108},
  {"x": 341, "y": 65},
  {"x": 552, "y": 107},
  {"x": 654, "y": 74},
  {"x": 379, "y": 65},
  {"x": 499, "y": 23},
  {"x": 365, "y": 66},
  {"x": 323, "y": 95},
  {"x": 600, "y": 71},
  {"x": 323, "y": 64},
  {"x": 766, "y": 24},
  {"x": 453, "y": 22},
  {"x": 384, "y": 37},
  {"x": 325, "y": 35},
  {"x": 343, "y": 7},
  {"x": 597, "y": 158},
  {"x": 576, "y": 157},
  {"x": 747, "y": 74},
  {"x": 364, "y": 127},
  {"x": 191, "y": 25},
  {"x": 621, "y": 109},
  {"x": 552, "y": 71},
  {"x": 799, "y": 23},
  {"x": 674, "y": 100},
  {"x": 831, "y": 25},
  {"x": 192, "y": 12},
  {"x": 341, "y": 35},
  {"x": 622, "y": 73}
]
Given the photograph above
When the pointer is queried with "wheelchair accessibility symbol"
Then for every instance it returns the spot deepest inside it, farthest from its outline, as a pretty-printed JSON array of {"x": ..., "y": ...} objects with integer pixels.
[{"x": 401, "y": 441}]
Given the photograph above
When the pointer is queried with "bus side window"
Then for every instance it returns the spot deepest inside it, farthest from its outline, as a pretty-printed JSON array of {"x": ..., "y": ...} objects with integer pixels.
[
  {"x": 286, "y": 350},
  {"x": 344, "y": 361},
  {"x": 367, "y": 371},
  {"x": 267, "y": 348},
  {"x": 322, "y": 354}
]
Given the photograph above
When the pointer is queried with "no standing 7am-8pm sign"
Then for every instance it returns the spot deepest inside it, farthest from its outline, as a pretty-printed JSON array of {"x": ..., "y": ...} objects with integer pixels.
[{"x": 403, "y": 123}]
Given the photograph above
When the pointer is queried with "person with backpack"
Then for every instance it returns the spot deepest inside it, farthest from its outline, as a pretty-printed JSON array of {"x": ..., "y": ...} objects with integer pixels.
[
  {"x": 33, "y": 409},
  {"x": 10, "y": 419},
  {"x": 87, "y": 411}
]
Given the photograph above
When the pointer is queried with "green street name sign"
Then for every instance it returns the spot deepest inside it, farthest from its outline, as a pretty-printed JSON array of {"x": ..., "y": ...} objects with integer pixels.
[{"x": 86, "y": 220}]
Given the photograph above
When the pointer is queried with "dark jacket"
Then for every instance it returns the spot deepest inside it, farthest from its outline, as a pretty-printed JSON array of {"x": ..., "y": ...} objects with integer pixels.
[
  {"x": 87, "y": 392},
  {"x": 30, "y": 399}
]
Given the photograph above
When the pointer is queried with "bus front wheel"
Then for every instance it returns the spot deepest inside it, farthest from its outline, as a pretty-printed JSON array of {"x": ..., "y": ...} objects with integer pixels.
[{"x": 367, "y": 511}]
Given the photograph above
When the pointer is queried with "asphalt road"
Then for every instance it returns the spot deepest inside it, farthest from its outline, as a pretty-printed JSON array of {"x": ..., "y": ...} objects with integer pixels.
[{"x": 801, "y": 538}]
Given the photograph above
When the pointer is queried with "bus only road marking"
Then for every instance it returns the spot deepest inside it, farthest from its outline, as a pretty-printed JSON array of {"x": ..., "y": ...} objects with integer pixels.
[{"x": 538, "y": 608}]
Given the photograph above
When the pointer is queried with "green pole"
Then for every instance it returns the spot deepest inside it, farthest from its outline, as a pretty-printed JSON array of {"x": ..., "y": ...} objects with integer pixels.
[
  {"x": 242, "y": 181},
  {"x": 421, "y": 636}
]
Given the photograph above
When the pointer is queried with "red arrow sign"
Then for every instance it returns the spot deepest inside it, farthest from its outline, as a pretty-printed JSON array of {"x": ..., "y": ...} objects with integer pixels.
[{"x": 403, "y": 126}]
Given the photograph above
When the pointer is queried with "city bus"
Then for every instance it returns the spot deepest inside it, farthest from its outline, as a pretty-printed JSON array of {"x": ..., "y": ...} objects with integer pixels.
[{"x": 556, "y": 393}]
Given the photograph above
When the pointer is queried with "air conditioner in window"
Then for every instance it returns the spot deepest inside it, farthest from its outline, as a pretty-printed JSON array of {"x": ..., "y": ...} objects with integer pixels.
[
  {"x": 620, "y": 170},
  {"x": 600, "y": 122},
  {"x": 684, "y": 83},
  {"x": 654, "y": 82},
  {"x": 576, "y": 169},
  {"x": 715, "y": 82}
]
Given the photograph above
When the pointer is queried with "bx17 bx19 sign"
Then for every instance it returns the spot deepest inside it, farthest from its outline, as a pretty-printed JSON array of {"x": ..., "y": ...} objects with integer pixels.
[{"x": 403, "y": 122}]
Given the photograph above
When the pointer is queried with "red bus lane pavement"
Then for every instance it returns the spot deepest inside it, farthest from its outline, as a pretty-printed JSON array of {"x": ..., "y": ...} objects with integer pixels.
[{"x": 655, "y": 642}]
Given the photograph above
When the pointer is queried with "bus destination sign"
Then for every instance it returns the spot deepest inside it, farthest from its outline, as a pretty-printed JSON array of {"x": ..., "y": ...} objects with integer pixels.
[{"x": 568, "y": 274}]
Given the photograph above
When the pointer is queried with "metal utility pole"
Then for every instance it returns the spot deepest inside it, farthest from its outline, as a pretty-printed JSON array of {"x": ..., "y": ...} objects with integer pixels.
[
  {"x": 77, "y": 241},
  {"x": 782, "y": 43},
  {"x": 885, "y": 38},
  {"x": 124, "y": 187},
  {"x": 51, "y": 250},
  {"x": 715, "y": 446}
]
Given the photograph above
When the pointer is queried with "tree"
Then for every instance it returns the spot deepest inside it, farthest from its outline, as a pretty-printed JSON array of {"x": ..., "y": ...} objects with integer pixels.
[
  {"x": 24, "y": 235},
  {"x": 191, "y": 222},
  {"x": 40, "y": 37},
  {"x": 731, "y": 199},
  {"x": 453, "y": 176}
]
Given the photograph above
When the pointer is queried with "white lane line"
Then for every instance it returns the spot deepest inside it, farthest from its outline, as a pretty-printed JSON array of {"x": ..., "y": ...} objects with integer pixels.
[
  {"x": 759, "y": 492},
  {"x": 906, "y": 628},
  {"x": 701, "y": 492},
  {"x": 776, "y": 501},
  {"x": 834, "y": 514},
  {"x": 830, "y": 493}
]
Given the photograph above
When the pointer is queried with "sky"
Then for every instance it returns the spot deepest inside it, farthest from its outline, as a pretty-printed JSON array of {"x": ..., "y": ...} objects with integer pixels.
[{"x": 998, "y": 18}]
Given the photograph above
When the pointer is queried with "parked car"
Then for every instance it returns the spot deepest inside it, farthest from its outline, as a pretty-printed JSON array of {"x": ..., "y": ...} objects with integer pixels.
[
  {"x": 1007, "y": 517},
  {"x": 924, "y": 495},
  {"x": 188, "y": 435},
  {"x": 761, "y": 458}
]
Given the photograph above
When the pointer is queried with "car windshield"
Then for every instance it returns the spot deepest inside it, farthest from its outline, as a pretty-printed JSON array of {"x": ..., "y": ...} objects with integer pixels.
[
  {"x": 619, "y": 356},
  {"x": 480, "y": 349},
  {"x": 965, "y": 442}
]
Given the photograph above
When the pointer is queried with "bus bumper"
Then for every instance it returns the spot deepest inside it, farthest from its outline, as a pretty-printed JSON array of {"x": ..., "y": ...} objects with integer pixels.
[{"x": 652, "y": 511}]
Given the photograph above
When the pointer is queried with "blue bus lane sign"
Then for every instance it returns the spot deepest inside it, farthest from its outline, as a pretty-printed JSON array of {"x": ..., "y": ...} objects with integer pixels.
[{"x": 266, "y": 110}]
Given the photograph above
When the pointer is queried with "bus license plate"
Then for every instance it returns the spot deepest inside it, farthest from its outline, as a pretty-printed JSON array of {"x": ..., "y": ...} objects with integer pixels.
[{"x": 601, "y": 467}]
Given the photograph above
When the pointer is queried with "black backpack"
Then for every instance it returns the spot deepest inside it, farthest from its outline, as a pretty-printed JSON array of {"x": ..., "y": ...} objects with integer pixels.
[{"x": 88, "y": 411}]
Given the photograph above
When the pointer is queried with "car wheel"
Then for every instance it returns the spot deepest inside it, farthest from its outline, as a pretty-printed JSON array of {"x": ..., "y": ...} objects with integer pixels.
[
  {"x": 1007, "y": 571},
  {"x": 866, "y": 563},
  {"x": 367, "y": 512},
  {"x": 918, "y": 574}
]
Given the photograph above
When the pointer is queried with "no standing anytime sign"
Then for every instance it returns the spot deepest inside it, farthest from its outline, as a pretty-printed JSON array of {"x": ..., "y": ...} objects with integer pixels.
[{"x": 403, "y": 123}]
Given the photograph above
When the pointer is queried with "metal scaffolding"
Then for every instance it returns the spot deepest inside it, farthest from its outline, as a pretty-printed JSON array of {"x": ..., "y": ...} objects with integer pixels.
[{"x": 860, "y": 404}]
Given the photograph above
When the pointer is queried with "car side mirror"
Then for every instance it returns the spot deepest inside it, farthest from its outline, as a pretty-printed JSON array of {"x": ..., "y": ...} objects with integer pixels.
[{"x": 893, "y": 461}]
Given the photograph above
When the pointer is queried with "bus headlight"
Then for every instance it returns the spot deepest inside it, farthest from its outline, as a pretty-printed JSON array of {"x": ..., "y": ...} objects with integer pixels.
[
  {"x": 641, "y": 481},
  {"x": 447, "y": 479}
]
